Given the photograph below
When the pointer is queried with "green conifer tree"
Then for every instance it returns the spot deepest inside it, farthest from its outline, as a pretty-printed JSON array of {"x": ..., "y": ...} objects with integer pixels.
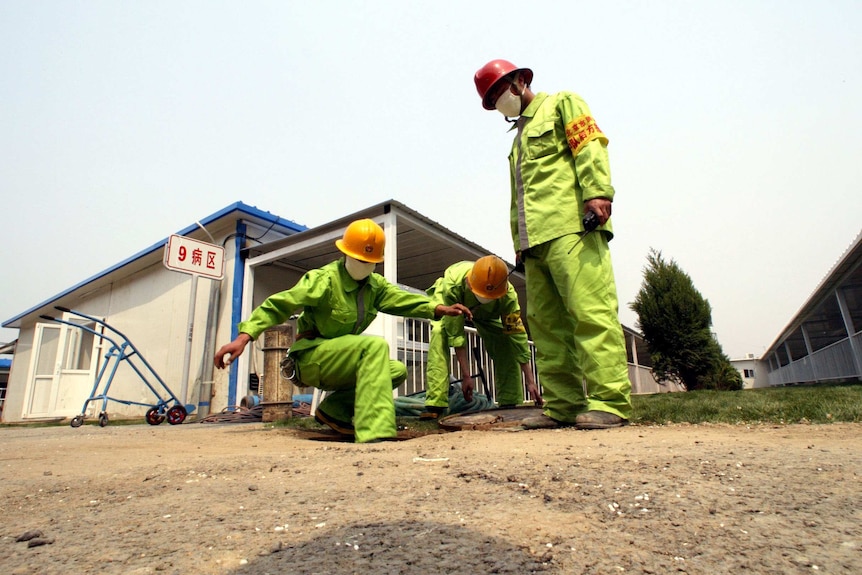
[{"x": 676, "y": 323}]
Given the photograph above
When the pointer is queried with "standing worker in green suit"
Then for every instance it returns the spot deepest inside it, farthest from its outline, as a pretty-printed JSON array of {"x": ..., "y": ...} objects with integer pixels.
[
  {"x": 483, "y": 287},
  {"x": 338, "y": 301},
  {"x": 559, "y": 174}
]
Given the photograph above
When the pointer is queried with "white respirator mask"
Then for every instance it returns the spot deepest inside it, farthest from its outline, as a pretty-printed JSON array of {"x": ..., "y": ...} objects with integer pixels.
[
  {"x": 483, "y": 300},
  {"x": 358, "y": 270},
  {"x": 509, "y": 104}
]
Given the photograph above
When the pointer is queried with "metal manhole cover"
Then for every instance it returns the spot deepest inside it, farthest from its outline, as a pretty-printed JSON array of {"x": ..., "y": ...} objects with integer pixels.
[{"x": 526, "y": 417}]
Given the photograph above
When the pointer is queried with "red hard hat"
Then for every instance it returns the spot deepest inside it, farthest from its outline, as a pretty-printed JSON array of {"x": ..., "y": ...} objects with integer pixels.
[{"x": 493, "y": 72}]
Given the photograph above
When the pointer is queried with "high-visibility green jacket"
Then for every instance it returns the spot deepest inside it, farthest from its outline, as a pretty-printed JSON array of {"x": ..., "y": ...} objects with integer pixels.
[
  {"x": 334, "y": 304},
  {"x": 501, "y": 316},
  {"x": 558, "y": 161}
]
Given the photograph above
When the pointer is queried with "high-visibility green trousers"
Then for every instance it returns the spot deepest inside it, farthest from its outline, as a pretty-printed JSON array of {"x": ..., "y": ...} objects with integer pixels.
[
  {"x": 502, "y": 349},
  {"x": 573, "y": 318},
  {"x": 358, "y": 376}
]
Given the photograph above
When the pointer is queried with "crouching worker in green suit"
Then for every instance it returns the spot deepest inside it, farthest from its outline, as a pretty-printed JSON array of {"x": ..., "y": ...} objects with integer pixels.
[
  {"x": 483, "y": 288},
  {"x": 338, "y": 301}
]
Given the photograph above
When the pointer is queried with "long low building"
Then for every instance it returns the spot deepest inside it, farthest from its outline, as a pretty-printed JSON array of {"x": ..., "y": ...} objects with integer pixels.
[{"x": 823, "y": 341}]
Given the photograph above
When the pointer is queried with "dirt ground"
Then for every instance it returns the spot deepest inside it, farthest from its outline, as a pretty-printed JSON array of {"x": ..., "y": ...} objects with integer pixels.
[{"x": 245, "y": 498}]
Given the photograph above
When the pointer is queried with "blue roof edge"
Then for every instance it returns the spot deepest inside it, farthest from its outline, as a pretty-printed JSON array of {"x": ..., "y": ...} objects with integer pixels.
[{"x": 234, "y": 207}]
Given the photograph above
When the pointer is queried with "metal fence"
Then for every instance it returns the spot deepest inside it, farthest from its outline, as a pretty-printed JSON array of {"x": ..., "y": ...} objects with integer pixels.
[
  {"x": 413, "y": 337},
  {"x": 836, "y": 361},
  {"x": 413, "y": 352}
]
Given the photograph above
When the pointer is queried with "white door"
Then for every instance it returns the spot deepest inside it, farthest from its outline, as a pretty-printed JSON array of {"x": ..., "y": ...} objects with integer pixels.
[
  {"x": 65, "y": 363},
  {"x": 46, "y": 371},
  {"x": 80, "y": 358}
]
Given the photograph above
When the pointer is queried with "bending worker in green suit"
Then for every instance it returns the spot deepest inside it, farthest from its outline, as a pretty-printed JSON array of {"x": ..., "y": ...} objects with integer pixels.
[
  {"x": 483, "y": 287},
  {"x": 338, "y": 301}
]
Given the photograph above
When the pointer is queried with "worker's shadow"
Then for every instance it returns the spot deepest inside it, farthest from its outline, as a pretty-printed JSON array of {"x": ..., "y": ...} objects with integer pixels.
[{"x": 397, "y": 547}]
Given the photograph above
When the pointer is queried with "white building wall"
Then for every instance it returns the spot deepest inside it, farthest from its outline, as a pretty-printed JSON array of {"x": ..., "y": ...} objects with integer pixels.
[
  {"x": 748, "y": 365},
  {"x": 150, "y": 308},
  {"x": 13, "y": 405}
]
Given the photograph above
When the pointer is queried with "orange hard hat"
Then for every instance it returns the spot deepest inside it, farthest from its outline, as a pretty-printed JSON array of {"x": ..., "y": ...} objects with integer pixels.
[
  {"x": 488, "y": 277},
  {"x": 363, "y": 240},
  {"x": 491, "y": 73}
]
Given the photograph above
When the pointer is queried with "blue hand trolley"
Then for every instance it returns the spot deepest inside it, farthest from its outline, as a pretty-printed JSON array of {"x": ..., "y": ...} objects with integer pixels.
[{"x": 170, "y": 408}]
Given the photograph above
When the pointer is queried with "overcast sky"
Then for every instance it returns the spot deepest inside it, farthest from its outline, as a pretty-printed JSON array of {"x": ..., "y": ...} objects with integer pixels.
[{"x": 735, "y": 130}]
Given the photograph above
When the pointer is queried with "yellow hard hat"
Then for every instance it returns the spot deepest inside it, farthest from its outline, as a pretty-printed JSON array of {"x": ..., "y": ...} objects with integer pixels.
[
  {"x": 363, "y": 240},
  {"x": 488, "y": 277}
]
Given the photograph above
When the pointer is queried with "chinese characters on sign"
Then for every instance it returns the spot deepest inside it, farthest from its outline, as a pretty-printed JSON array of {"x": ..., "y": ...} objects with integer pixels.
[{"x": 190, "y": 256}]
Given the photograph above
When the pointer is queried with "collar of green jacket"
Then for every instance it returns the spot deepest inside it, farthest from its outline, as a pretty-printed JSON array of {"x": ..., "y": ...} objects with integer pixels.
[{"x": 534, "y": 105}]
